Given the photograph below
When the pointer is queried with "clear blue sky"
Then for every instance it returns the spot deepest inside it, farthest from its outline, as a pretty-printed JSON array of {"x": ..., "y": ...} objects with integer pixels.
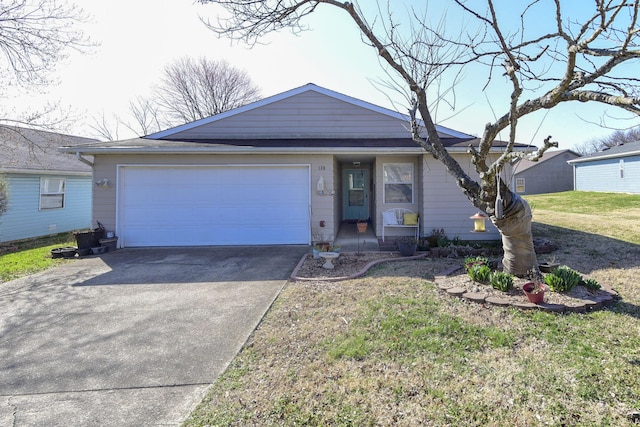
[{"x": 138, "y": 38}]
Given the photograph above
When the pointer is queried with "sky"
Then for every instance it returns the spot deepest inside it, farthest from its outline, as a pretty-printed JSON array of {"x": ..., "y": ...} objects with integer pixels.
[{"x": 136, "y": 39}]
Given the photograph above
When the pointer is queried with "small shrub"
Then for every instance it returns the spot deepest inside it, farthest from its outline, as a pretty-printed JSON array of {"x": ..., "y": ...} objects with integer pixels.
[
  {"x": 437, "y": 237},
  {"x": 501, "y": 281},
  {"x": 480, "y": 273},
  {"x": 562, "y": 279},
  {"x": 591, "y": 284},
  {"x": 554, "y": 282},
  {"x": 475, "y": 260}
]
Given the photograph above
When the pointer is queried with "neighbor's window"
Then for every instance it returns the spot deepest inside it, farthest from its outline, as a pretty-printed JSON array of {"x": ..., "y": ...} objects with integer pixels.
[
  {"x": 398, "y": 182},
  {"x": 519, "y": 185},
  {"x": 621, "y": 168},
  {"x": 51, "y": 193}
]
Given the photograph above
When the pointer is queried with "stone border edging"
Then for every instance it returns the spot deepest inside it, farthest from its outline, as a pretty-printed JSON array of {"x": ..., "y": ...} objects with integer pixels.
[
  {"x": 602, "y": 298},
  {"x": 366, "y": 268}
]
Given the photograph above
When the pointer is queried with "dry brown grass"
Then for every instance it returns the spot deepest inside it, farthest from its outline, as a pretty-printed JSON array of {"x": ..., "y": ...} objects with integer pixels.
[{"x": 389, "y": 349}]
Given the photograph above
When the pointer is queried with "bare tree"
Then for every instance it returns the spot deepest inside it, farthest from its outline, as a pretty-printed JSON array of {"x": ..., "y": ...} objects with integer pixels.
[
  {"x": 571, "y": 54},
  {"x": 146, "y": 119},
  {"x": 34, "y": 36},
  {"x": 106, "y": 128},
  {"x": 195, "y": 89},
  {"x": 618, "y": 137},
  {"x": 4, "y": 195},
  {"x": 190, "y": 90},
  {"x": 146, "y": 115}
]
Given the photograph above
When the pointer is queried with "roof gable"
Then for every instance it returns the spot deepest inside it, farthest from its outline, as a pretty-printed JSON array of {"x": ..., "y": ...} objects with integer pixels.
[
  {"x": 525, "y": 164},
  {"x": 308, "y": 111},
  {"x": 30, "y": 150}
]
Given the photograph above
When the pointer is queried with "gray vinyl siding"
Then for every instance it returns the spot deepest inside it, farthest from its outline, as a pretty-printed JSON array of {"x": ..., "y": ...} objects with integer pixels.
[
  {"x": 24, "y": 219},
  {"x": 445, "y": 206},
  {"x": 551, "y": 176},
  {"x": 306, "y": 115},
  {"x": 604, "y": 175}
]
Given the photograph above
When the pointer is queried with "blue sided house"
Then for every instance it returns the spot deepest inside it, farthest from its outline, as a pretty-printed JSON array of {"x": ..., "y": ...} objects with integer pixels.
[
  {"x": 49, "y": 192},
  {"x": 614, "y": 170}
]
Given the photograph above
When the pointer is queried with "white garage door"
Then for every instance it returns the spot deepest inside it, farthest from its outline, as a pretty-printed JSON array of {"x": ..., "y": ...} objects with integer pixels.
[{"x": 213, "y": 205}]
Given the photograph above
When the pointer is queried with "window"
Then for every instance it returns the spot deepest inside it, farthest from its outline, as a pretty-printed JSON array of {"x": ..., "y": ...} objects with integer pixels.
[
  {"x": 519, "y": 185},
  {"x": 621, "y": 168},
  {"x": 398, "y": 182},
  {"x": 51, "y": 193}
]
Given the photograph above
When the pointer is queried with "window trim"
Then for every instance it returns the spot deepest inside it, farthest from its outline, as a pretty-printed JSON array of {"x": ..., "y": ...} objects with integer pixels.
[
  {"x": 44, "y": 185},
  {"x": 518, "y": 185},
  {"x": 385, "y": 182}
]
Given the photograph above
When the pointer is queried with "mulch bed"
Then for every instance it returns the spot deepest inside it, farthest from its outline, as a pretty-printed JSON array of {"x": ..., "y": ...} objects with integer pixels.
[{"x": 456, "y": 283}]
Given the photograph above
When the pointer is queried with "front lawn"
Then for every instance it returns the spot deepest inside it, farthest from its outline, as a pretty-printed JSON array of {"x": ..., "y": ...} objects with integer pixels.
[
  {"x": 389, "y": 349},
  {"x": 32, "y": 256}
]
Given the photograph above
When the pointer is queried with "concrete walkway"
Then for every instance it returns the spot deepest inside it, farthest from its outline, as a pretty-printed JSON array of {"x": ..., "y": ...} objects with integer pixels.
[
  {"x": 351, "y": 241},
  {"x": 133, "y": 337}
]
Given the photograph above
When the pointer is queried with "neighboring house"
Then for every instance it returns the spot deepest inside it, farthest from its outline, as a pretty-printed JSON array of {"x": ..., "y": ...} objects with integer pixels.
[
  {"x": 49, "y": 191},
  {"x": 615, "y": 170},
  {"x": 288, "y": 169},
  {"x": 550, "y": 174}
]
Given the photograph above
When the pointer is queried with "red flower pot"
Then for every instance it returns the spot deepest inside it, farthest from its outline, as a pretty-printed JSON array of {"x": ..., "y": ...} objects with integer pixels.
[{"x": 536, "y": 298}]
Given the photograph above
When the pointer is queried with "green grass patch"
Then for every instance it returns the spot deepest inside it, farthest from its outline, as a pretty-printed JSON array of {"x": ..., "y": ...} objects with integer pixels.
[
  {"x": 389, "y": 349},
  {"x": 585, "y": 202},
  {"x": 33, "y": 256},
  {"x": 401, "y": 328}
]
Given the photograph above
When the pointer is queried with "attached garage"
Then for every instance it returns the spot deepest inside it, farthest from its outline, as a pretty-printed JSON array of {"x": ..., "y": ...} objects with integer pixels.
[{"x": 213, "y": 205}]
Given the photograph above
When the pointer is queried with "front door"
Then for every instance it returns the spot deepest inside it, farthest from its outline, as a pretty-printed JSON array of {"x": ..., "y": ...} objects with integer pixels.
[{"x": 356, "y": 194}]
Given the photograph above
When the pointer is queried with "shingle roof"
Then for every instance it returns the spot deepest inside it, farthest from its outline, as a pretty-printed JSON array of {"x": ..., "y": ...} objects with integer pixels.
[
  {"x": 25, "y": 150},
  {"x": 623, "y": 150},
  {"x": 525, "y": 164}
]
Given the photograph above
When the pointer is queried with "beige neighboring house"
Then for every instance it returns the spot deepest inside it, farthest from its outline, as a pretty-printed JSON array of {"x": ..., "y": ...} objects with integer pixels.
[{"x": 289, "y": 169}]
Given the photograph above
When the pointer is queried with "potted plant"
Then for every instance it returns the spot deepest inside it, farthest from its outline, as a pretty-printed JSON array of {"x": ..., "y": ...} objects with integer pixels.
[
  {"x": 320, "y": 243},
  {"x": 324, "y": 247},
  {"x": 407, "y": 245},
  {"x": 534, "y": 291},
  {"x": 362, "y": 225}
]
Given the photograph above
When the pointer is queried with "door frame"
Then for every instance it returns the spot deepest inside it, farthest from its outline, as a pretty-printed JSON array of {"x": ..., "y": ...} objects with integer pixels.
[{"x": 367, "y": 192}]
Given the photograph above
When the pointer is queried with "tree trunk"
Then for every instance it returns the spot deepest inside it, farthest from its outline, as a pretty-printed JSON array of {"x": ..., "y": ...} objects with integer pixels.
[{"x": 517, "y": 239}]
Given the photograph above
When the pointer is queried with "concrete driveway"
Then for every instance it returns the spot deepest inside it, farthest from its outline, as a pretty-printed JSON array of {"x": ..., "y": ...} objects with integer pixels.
[{"x": 133, "y": 337}]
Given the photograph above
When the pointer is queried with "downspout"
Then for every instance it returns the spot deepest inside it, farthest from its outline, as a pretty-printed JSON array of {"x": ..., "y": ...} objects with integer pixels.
[{"x": 83, "y": 160}]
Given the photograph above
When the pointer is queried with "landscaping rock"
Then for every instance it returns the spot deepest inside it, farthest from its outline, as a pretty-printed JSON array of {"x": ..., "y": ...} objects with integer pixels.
[
  {"x": 456, "y": 292},
  {"x": 475, "y": 296}
]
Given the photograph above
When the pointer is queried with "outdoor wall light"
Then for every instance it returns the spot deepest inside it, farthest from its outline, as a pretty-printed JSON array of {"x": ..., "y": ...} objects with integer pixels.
[
  {"x": 104, "y": 183},
  {"x": 479, "y": 222}
]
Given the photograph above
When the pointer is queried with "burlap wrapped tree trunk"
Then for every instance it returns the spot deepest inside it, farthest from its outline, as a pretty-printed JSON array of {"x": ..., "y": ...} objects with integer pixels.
[{"x": 517, "y": 241}]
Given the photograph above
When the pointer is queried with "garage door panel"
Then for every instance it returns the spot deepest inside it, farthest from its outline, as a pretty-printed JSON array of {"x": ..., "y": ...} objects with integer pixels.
[{"x": 237, "y": 205}]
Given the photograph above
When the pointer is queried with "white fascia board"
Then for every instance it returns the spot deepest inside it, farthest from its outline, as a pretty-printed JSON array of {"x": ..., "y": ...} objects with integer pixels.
[
  {"x": 609, "y": 156},
  {"x": 280, "y": 151},
  {"x": 257, "y": 151},
  {"x": 284, "y": 95},
  {"x": 43, "y": 172}
]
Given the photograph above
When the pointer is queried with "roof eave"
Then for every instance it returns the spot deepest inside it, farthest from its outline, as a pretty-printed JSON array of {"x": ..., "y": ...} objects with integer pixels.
[
  {"x": 605, "y": 157},
  {"x": 23, "y": 171},
  {"x": 257, "y": 150}
]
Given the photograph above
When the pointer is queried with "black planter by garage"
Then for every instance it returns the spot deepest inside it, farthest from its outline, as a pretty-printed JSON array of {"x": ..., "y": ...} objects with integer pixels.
[{"x": 89, "y": 239}]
